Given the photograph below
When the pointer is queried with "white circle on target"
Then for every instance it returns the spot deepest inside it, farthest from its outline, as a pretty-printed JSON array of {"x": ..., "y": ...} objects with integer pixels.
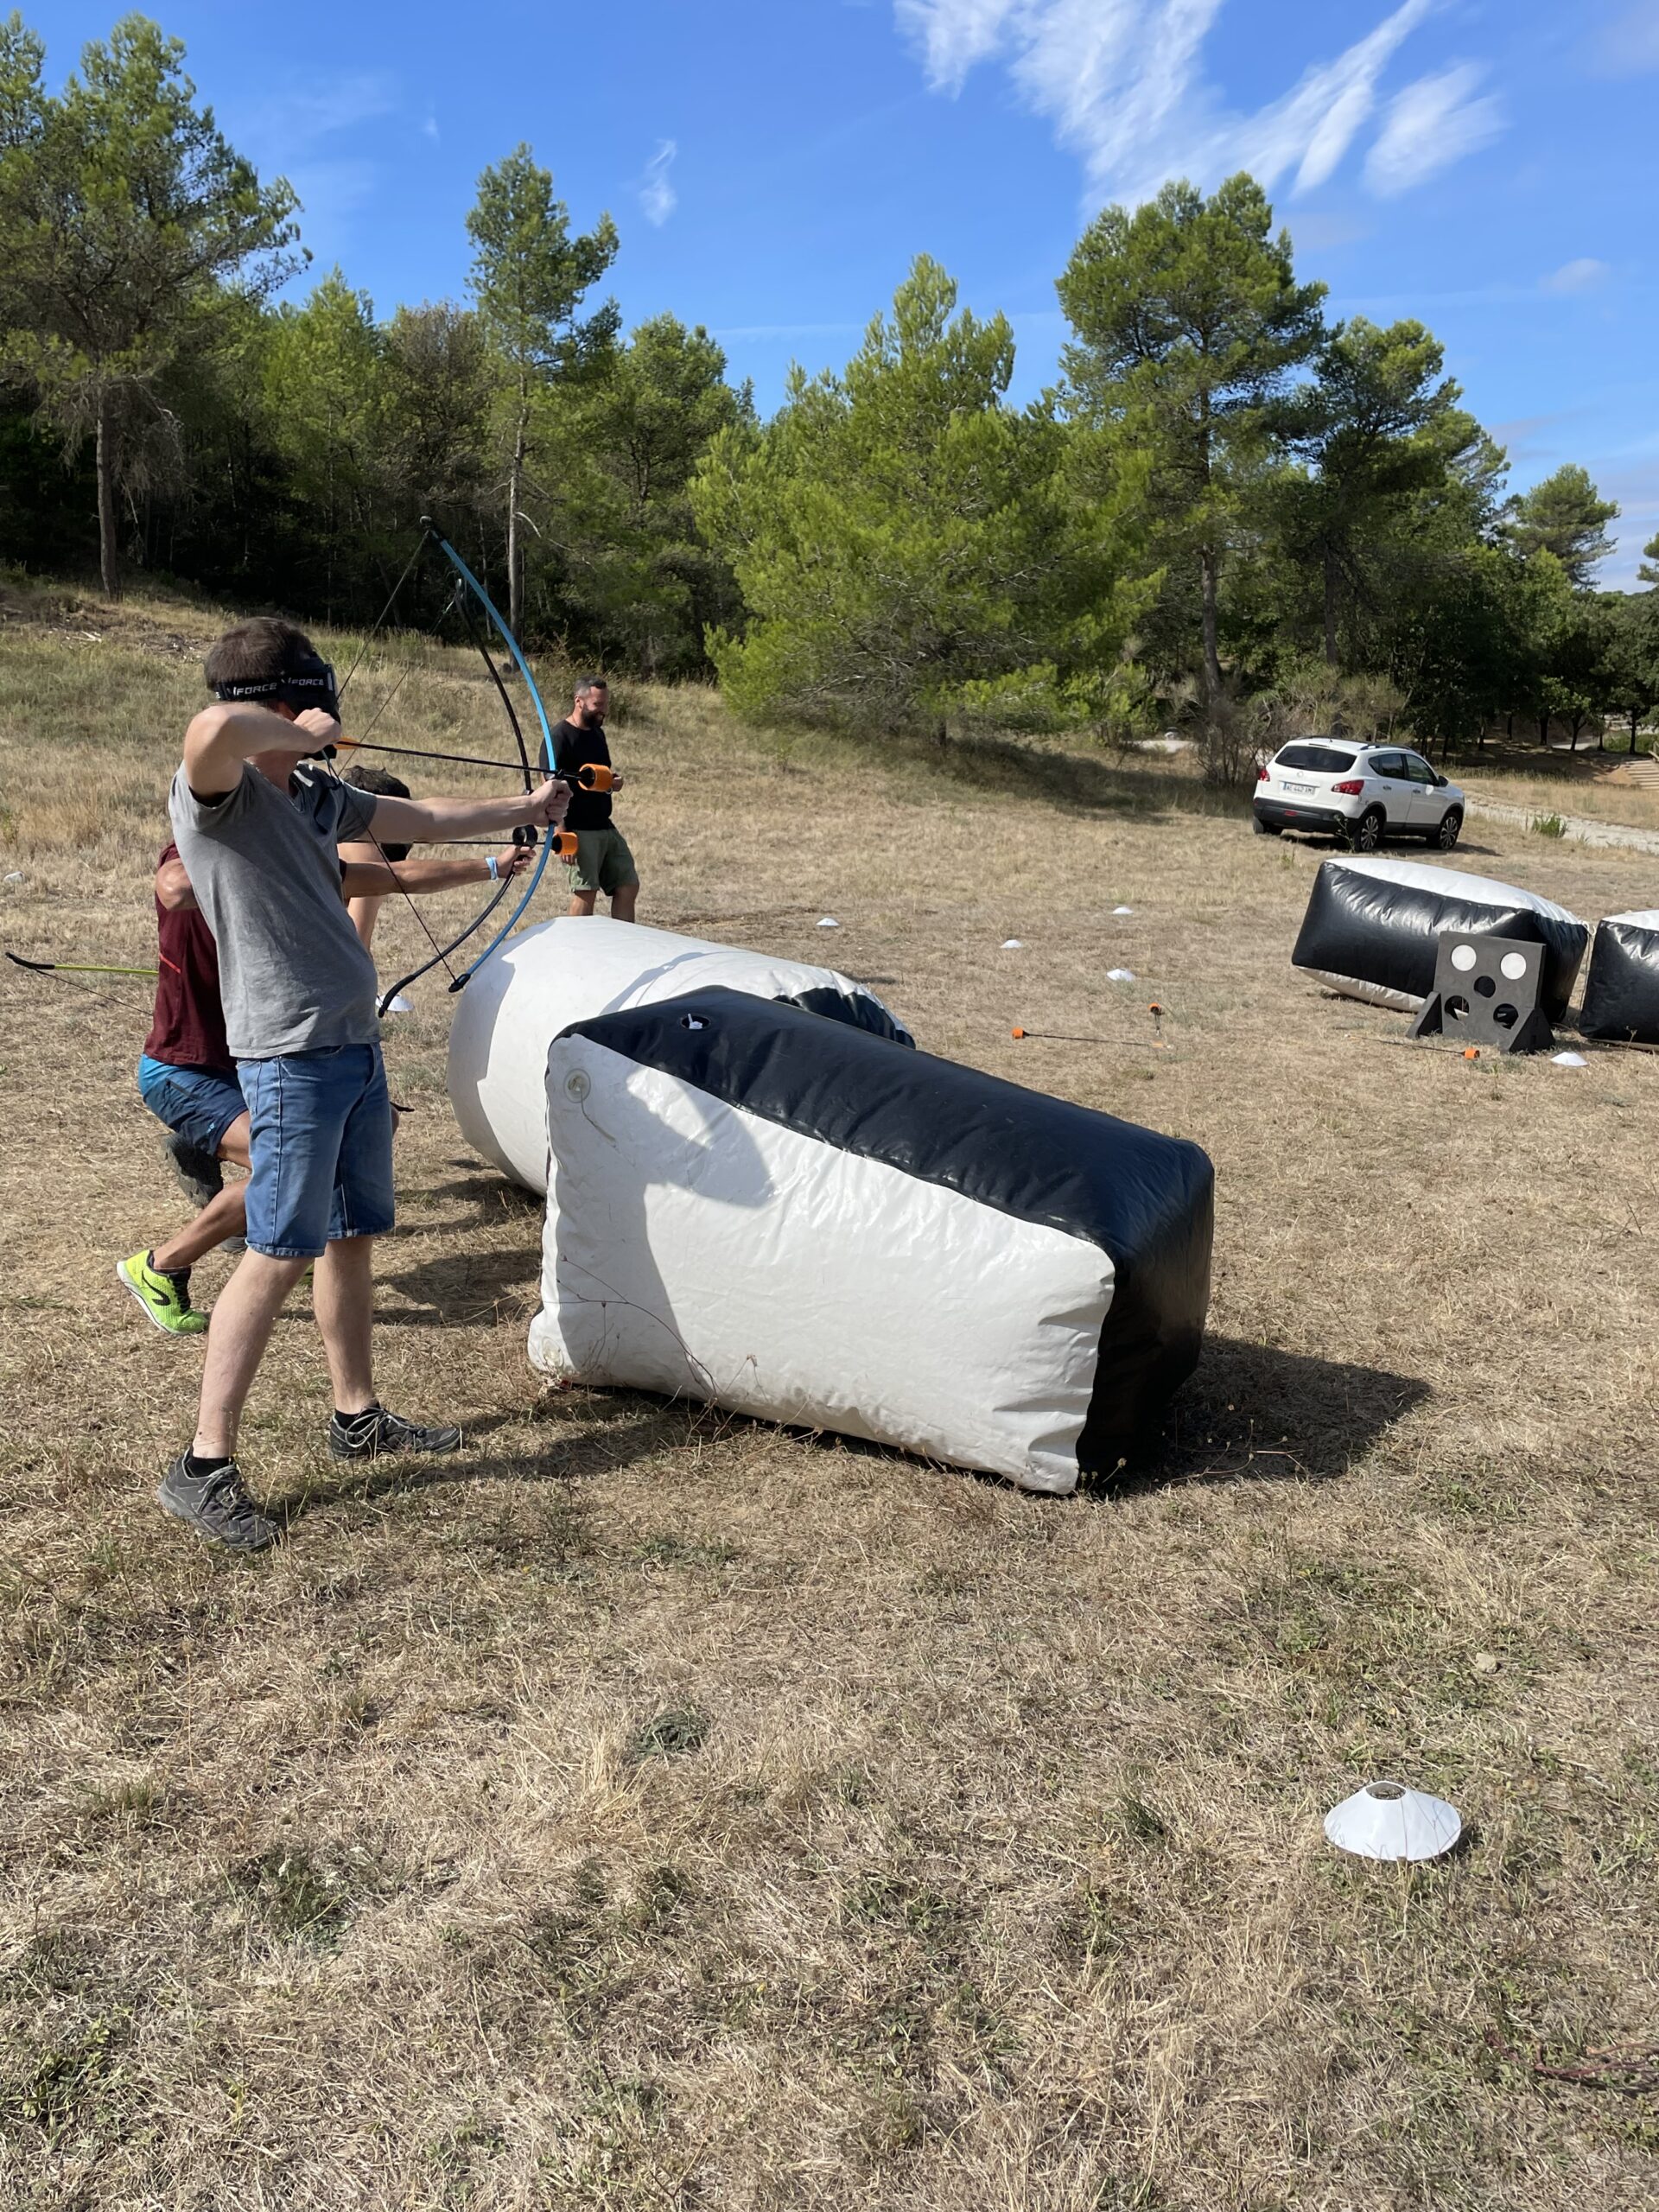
[
  {"x": 1463, "y": 958},
  {"x": 1514, "y": 965}
]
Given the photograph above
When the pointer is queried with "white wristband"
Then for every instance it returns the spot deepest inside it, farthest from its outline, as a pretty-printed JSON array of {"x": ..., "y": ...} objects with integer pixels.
[{"x": 495, "y": 872}]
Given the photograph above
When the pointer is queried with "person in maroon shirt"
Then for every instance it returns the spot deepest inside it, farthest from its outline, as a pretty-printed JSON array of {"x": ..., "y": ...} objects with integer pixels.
[{"x": 187, "y": 1075}]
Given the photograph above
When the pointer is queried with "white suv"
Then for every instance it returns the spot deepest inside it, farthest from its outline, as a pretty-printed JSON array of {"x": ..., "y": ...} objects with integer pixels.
[{"x": 1360, "y": 793}]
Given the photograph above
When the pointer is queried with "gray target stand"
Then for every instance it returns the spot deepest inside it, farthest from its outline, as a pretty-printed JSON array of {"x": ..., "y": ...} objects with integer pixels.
[{"x": 1486, "y": 992}]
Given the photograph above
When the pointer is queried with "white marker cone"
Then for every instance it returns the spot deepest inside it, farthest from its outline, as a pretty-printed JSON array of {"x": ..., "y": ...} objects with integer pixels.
[{"x": 1387, "y": 1820}]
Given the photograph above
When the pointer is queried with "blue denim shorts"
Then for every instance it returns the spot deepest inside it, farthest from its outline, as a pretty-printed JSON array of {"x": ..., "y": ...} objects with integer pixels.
[
  {"x": 320, "y": 1142},
  {"x": 196, "y": 1103}
]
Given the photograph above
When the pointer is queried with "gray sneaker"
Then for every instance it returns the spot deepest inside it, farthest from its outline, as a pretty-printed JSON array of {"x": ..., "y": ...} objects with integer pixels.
[
  {"x": 199, "y": 1171},
  {"x": 367, "y": 1434},
  {"x": 216, "y": 1506}
]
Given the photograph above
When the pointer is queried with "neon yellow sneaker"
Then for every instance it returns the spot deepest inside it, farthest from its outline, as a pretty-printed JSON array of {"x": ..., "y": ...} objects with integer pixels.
[{"x": 166, "y": 1299}]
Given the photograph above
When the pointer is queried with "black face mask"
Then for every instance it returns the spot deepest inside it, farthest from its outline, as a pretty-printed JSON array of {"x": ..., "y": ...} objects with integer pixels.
[{"x": 309, "y": 681}]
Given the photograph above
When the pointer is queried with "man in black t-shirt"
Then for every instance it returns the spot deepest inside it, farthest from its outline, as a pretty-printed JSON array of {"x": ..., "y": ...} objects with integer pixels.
[{"x": 602, "y": 860}]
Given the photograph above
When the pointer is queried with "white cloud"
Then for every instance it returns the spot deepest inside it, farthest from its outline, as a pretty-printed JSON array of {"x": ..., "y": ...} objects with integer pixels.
[
  {"x": 429, "y": 128},
  {"x": 658, "y": 197},
  {"x": 955, "y": 34},
  {"x": 1431, "y": 124},
  {"x": 1629, "y": 43},
  {"x": 304, "y": 116},
  {"x": 1581, "y": 276},
  {"x": 1122, "y": 83}
]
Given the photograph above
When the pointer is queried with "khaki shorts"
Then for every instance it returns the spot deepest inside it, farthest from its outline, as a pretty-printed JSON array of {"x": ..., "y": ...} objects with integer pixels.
[{"x": 603, "y": 863}]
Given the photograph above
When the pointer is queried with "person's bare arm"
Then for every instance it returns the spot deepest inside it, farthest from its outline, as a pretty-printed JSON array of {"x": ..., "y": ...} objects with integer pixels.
[
  {"x": 222, "y": 736},
  {"x": 428, "y": 821},
  {"x": 173, "y": 886},
  {"x": 377, "y": 879}
]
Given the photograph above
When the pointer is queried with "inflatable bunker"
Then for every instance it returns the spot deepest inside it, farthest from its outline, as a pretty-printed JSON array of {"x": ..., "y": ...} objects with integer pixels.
[
  {"x": 1370, "y": 929},
  {"x": 801, "y": 1221},
  {"x": 1621, "y": 992},
  {"x": 565, "y": 970}
]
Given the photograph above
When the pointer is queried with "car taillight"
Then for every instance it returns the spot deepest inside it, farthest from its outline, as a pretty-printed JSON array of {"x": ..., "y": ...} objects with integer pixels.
[
  {"x": 1261, "y": 775},
  {"x": 1351, "y": 789}
]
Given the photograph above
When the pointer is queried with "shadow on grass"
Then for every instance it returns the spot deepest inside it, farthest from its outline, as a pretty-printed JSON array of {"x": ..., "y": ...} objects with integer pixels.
[
  {"x": 489, "y": 1190},
  {"x": 1254, "y": 1412},
  {"x": 601, "y": 1447},
  {"x": 1393, "y": 849},
  {"x": 1079, "y": 782},
  {"x": 471, "y": 1286}
]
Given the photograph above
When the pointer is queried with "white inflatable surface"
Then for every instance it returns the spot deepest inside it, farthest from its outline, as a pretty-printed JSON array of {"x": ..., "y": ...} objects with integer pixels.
[
  {"x": 577, "y": 967},
  {"x": 695, "y": 1249},
  {"x": 809, "y": 1224}
]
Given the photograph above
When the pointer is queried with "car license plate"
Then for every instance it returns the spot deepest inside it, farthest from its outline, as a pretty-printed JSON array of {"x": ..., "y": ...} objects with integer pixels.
[{"x": 1300, "y": 789}]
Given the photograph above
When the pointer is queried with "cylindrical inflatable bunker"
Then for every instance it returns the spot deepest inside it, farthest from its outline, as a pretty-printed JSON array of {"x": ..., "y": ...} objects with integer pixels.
[
  {"x": 1371, "y": 927},
  {"x": 803, "y": 1223},
  {"x": 565, "y": 970},
  {"x": 1621, "y": 992}
]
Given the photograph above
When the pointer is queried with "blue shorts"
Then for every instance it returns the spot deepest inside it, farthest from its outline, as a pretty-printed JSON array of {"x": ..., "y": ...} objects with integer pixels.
[
  {"x": 320, "y": 1142},
  {"x": 197, "y": 1104}
]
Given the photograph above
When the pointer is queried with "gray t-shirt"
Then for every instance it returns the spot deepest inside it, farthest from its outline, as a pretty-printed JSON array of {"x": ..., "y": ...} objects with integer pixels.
[{"x": 293, "y": 972}]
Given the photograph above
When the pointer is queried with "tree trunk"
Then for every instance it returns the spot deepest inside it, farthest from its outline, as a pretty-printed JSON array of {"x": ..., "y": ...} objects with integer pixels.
[
  {"x": 108, "y": 563},
  {"x": 513, "y": 545},
  {"x": 1208, "y": 565},
  {"x": 1330, "y": 609},
  {"x": 1634, "y": 711},
  {"x": 515, "y": 488},
  {"x": 1543, "y": 731}
]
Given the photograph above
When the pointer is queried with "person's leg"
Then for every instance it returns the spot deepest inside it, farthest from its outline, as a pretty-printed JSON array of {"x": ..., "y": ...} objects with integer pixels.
[
  {"x": 222, "y": 1217},
  {"x": 343, "y": 1297},
  {"x": 364, "y": 1208},
  {"x": 204, "y": 1113},
  {"x": 587, "y": 879},
  {"x": 243, "y": 1316},
  {"x": 620, "y": 878},
  {"x": 295, "y": 1116}
]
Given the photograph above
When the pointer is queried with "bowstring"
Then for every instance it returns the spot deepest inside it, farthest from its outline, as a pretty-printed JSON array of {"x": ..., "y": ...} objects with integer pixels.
[
  {"x": 456, "y": 600},
  {"x": 440, "y": 952}
]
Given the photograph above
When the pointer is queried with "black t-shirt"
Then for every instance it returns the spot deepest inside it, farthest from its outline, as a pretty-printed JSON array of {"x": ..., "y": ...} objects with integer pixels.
[{"x": 575, "y": 748}]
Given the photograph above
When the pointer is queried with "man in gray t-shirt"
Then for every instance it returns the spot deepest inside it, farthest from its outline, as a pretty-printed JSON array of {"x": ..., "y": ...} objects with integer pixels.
[{"x": 258, "y": 822}]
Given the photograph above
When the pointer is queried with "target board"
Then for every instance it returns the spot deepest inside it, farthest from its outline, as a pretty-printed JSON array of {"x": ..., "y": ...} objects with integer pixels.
[{"x": 1486, "y": 992}]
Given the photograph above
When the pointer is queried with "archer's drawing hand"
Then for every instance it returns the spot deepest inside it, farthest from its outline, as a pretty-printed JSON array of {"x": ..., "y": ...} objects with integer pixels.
[
  {"x": 547, "y": 804},
  {"x": 513, "y": 861},
  {"x": 320, "y": 727},
  {"x": 616, "y": 783}
]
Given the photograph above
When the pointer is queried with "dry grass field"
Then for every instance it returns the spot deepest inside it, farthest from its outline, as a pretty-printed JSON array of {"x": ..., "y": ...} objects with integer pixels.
[{"x": 647, "y": 1809}]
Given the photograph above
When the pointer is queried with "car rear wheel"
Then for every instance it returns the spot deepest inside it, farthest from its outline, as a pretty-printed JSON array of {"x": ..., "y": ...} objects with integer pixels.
[
  {"x": 1366, "y": 835},
  {"x": 1267, "y": 828},
  {"x": 1451, "y": 829}
]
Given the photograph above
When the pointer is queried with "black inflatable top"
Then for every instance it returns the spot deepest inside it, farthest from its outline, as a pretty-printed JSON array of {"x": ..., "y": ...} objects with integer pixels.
[
  {"x": 1378, "y": 921},
  {"x": 1144, "y": 1200},
  {"x": 1621, "y": 992}
]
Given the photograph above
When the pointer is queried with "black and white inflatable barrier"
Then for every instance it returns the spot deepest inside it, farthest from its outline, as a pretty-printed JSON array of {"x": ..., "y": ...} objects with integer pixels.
[
  {"x": 542, "y": 982},
  {"x": 1621, "y": 992},
  {"x": 1371, "y": 927},
  {"x": 802, "y": 1222}
]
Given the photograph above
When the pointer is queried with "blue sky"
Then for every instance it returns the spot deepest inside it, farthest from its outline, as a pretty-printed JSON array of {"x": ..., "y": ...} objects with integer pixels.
[{"x": 1492, "y": 169}]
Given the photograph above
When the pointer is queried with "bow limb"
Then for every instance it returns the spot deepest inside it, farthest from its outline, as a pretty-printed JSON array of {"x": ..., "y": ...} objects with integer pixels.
[
  {"x": 545, "y": 762},
  {"x": 415, "y": 974}
]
